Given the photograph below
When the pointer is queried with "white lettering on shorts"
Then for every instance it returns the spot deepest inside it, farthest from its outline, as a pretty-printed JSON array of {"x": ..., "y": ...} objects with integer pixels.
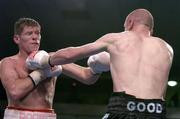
[
  {"x": 142, "y": 107},
  {"x": 131, "y": 106},
  {"x": 17, "y": 114}
]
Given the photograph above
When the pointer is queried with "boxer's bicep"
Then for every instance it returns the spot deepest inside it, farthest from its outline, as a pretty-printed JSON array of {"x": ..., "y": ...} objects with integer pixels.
[{"x": 8, "y": 75}]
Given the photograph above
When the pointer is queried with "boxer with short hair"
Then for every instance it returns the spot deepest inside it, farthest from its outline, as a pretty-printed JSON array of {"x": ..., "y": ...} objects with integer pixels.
[
  {"x": 30, "y": 90},
  {"x": 139, "y": 63}
]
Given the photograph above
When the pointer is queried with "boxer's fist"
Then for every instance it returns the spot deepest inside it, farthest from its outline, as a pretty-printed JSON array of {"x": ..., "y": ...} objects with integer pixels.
[
  {"x": 41, "y": 74},
  {"x": 38, "y": 60},
  {"x": 99, "y": 62}
]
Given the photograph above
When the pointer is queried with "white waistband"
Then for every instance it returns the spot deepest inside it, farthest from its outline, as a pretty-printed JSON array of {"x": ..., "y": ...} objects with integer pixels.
[{"x": 18, "y": 114}]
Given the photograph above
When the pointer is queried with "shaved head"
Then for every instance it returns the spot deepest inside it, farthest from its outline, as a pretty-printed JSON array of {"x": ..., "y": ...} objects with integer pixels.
[{"x": 141, "y": 16}]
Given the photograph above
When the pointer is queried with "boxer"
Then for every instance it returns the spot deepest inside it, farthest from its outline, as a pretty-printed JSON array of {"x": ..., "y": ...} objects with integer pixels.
[
  {"x": 30, "y": 90},
  {"x": 139, "y": 64}
]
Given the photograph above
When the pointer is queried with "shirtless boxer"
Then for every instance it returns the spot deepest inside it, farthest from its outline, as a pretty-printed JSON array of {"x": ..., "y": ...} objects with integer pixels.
[
  {"x": 30, "y": 93},
  {"x": 139, "y": 63}
]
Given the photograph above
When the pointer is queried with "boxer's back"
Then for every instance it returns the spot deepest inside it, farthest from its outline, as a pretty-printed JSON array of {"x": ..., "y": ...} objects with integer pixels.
[{"x": 139, "y": 65}]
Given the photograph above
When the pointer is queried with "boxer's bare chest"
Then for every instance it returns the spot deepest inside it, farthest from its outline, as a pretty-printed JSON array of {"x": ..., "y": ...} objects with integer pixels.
[{"x": 21, "y": 69}]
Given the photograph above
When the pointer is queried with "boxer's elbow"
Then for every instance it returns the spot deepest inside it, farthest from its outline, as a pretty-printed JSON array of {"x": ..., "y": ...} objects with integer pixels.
[
  {"x": 88, "y": 78},
  {"x": 16, "y": 94},
  {"x": 89, "y": 81}
]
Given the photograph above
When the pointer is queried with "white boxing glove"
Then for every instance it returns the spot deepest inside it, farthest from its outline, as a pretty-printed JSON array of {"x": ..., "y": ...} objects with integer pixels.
[
  {"x": 99, "y": 62},
  {"x": 41, "y": 74},
  {"x": 38, "y": 60}
]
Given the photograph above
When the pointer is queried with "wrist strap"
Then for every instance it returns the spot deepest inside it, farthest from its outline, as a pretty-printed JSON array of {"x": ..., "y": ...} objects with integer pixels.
[
  {"x": 32, "y": 80},
  {"x": 50, "y": 62}
]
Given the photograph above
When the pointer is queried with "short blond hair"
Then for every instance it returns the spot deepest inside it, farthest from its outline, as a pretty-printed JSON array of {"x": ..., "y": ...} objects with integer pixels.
[{"x": 22, "y": 22}]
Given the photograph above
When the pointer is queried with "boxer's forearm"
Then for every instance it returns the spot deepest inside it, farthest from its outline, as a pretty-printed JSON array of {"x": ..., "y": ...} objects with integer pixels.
[
  {"x": 72, "y": 54},
  {"x": 79, "y": 73}
]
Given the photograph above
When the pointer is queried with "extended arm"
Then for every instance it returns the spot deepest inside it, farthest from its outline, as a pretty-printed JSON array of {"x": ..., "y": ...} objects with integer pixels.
[
  {"x": 41, "y": 59},
  {"x": 79, "y": 73},
  {"x": 97, "y": 63},
  {"x": 72, "y": 54}
]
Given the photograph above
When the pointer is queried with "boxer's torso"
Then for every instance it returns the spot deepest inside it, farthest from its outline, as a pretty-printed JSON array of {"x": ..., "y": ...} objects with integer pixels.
[
  {"x": 41, "y": 97},
  {"x": 140, "y": 65}
]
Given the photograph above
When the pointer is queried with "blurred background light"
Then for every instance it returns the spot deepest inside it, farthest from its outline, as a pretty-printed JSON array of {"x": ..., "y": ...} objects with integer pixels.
[{"x": 172, "y": 83}]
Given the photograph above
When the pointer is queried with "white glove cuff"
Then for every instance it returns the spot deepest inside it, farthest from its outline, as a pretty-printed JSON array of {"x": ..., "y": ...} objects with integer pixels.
[
  {"x": 32, "y": 80},
  {"x": 94, "y": 72},
  {"x": 37, "y": 76}
]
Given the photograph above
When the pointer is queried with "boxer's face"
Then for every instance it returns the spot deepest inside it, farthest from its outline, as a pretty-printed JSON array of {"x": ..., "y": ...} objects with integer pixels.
[{"x": 29, "y": 39}]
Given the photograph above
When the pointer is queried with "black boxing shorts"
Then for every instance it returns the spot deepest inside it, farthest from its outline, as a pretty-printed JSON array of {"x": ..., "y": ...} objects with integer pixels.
[{"x": 124, "y": 106}]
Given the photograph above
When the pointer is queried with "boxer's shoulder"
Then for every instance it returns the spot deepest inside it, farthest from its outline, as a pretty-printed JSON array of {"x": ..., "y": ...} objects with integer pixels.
[{"x": 11, "y": 60}]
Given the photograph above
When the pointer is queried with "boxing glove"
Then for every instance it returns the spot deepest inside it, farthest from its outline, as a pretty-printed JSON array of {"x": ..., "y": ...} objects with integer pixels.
[
  {"x": 38, "y": 60},
  {"x": 40, "y": 74},
  {"x": 99, "y": 63}
]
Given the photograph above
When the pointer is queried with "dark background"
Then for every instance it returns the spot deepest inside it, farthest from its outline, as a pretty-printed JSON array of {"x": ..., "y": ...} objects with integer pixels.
[{"x": 76, "y": 22}]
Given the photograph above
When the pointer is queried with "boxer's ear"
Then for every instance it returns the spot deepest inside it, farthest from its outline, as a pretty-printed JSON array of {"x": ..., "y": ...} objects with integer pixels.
[
  {"x": 130, "y": 24},
  {"x": 16, "y": 39}
]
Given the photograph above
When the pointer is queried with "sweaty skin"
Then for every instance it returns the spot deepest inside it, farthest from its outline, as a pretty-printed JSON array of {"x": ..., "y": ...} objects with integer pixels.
[
  {"x": 133, "y": 69},
  {"x": 14, "y": 76},
  {"x": 19, "y": 87},
  {"x": 139, "y": 63}
]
